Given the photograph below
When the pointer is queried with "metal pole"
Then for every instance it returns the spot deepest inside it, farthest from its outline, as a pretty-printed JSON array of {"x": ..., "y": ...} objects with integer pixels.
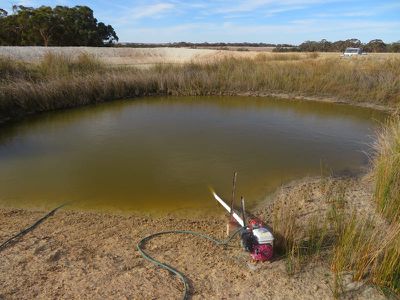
[
  {"x": 243, "y": 212},
  {"x": 233, "y": 192}
]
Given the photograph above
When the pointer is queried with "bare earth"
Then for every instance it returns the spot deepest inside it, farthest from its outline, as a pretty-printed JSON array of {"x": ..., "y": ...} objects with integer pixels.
[{"x": 93, "y": 256}]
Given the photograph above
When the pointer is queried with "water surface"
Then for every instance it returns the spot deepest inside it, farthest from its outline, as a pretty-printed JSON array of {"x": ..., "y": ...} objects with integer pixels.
[{"x": 162, "y": 154}]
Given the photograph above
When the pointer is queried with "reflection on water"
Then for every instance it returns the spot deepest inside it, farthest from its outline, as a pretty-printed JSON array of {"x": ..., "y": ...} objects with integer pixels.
[{"x": 162, "y": 154}]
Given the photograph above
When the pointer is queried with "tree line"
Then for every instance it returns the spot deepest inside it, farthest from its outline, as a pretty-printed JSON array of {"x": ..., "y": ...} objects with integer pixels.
[
  {"x": 195, "y": 45},
  {"x": 376, "y": 45},
  {"x": 58, "y": 26},
  {"x": 308, "y": 46}
]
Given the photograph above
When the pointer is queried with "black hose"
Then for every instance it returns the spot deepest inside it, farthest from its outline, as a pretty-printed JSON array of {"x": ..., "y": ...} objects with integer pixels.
[
  {"x": 30, "y": 228},
  {"x": 181, "y": 276}
]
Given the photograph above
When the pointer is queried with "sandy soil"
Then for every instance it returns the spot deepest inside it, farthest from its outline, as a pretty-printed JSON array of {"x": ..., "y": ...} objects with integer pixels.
[
  {"x": 93, "y": 256},
  {"x": 313, "y": 197}
]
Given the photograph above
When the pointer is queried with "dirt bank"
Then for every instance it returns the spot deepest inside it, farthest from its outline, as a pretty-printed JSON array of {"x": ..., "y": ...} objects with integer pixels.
[
  {"x": 294, "y": 96},
  {"x": 93, "y": 255}
]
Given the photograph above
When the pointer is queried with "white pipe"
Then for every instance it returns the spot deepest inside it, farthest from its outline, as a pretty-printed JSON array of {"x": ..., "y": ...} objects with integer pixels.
[{"x": 226, "y": 206}]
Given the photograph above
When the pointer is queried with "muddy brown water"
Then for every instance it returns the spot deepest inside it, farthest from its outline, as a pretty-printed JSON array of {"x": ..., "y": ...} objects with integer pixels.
[{"x": 163, "y": 154}]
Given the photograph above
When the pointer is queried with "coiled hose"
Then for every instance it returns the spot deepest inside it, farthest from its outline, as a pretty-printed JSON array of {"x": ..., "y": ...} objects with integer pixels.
[{"x": 181, "y": 276}]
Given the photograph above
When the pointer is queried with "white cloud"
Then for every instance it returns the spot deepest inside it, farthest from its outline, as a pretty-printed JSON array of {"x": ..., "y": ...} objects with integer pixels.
[
  {"x": 244, "y": 6},
  {"x": 134, "y": 14},
  {"x": 272, "y": 12},
  {"x": 153, "y": 10},
  {"x": 274, "y": 6}
]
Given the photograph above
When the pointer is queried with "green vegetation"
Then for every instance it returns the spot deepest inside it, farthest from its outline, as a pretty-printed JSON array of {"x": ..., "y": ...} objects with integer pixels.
[
  {"x": 375, "y": 46},
  {"x": 370, "y": 251},
  {"x": 61, "y": 82},
  {"x": 58, "y": 26},
  {"x": 365, "y": 247},
  {"x": 387, "y": 171}
]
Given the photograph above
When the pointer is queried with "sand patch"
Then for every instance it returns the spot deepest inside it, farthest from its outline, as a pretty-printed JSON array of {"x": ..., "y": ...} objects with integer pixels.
[{"x": 93, "y": 255}]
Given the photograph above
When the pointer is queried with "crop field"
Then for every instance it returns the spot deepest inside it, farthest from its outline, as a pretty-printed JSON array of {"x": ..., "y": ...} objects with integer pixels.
[
  {"x": 151, "y": 56},
  {"x": 115, "y": 56}
]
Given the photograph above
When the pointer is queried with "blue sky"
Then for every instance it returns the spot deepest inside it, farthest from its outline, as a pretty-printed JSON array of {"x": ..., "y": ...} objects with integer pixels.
[{"x": 272, "y": 21}]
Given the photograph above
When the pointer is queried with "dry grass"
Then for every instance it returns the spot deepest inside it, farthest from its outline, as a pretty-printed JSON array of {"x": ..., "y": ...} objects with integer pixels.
[
  {"x": 59, "y": 65},
  {"x": 264, "y": 57},
  {"x": 59, "y": 81},
  {"x": 12, "y": 70}
]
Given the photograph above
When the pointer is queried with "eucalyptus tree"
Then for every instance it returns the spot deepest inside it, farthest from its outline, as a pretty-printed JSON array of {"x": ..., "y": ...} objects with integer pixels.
[{"x": 58, "y": 26}]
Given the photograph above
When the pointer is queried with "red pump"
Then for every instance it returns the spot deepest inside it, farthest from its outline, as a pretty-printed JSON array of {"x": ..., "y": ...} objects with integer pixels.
[{"x": 255, "y": 236}]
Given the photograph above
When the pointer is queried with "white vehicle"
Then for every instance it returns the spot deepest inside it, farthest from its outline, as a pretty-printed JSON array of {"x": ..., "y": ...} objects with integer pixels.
[{"x": 353, "y": 52}]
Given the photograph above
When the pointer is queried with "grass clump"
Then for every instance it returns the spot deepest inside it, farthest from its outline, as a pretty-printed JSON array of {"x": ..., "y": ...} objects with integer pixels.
[
  {"x": 369, "y": 251},
  {"x": 387, "y": 170},
  {"x": 315, "y": 224},
  {"x": 301, "y": 236},
  {"x": 11, "y": 70},
  {"x": 59, "y": 65}
]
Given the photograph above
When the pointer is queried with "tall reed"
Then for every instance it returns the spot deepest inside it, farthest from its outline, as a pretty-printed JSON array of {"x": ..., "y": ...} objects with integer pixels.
[
  {"x": 387, "y": 170},
  {"x": 370, "y": 252},
  {"x": 365, "y": 246}
]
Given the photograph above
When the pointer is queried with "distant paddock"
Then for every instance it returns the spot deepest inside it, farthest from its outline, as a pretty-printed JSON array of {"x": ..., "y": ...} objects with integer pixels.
[
  {"x": 117, "y": 56},
  {"x": 151, "y": 56}
]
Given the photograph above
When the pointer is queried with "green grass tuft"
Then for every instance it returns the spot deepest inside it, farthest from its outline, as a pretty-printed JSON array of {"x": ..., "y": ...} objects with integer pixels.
[{"x": 387, "y": 170}]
